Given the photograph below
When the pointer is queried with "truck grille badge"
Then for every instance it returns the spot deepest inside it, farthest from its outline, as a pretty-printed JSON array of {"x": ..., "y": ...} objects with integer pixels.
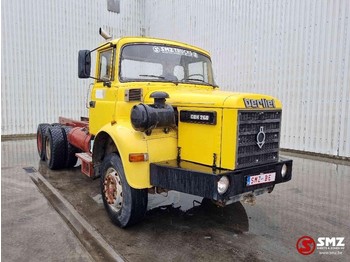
[{"x": 260, "y": 137}]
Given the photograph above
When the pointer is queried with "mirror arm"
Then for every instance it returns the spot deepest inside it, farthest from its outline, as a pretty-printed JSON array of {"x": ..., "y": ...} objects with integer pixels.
[
  {"x": 108, "y": 43},
  {"x": 105, "y": 83}
]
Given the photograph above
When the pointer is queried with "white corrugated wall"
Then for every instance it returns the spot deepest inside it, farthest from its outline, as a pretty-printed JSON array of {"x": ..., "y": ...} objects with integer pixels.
[
  {"x": 40, "y": 43},
  {"x": 298, "y": 51}
]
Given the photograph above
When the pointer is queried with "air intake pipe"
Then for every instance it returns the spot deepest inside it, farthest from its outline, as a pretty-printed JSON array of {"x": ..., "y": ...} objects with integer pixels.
[
  {"x": 104, "y": 34},
  {"x": 144, "y": 117}
]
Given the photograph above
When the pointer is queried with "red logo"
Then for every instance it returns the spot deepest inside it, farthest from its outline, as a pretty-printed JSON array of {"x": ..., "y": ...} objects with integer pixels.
[{"x": 306, "y": 245}]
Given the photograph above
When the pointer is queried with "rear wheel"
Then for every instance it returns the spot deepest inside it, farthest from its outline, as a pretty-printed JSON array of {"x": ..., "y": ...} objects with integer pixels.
[
  {"x": 40, "y": 139},
  {"x": 55, "y": 148},
  {"x": 125, "y": 205},
  {"x": 71, "y": 150}
]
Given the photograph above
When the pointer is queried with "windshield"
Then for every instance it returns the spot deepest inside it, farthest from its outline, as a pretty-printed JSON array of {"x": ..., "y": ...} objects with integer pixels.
[{"x": 160, "y": 63}]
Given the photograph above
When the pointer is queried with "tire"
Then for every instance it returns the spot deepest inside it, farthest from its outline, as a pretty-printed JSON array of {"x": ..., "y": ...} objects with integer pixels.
[
  {"x": 125, "y": 205},
  {"x": 55, "y": 148},
  {"x": 71, "y": 150},
  {"x": 40, "y": 140}
]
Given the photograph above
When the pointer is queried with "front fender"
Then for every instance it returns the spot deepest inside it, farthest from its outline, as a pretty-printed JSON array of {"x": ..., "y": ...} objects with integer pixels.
[{"x": 127, "y": 140}]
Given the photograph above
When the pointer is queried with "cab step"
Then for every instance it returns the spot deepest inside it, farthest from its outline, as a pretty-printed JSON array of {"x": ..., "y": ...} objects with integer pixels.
[{"x": 86, "y": 163}]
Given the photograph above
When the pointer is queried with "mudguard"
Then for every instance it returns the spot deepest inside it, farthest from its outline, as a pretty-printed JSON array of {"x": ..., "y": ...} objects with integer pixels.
[{"x": 160, "y": 148}]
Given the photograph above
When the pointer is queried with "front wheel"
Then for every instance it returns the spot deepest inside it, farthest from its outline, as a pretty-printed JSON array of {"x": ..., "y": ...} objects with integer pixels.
[{"x": 125, "y": 205}]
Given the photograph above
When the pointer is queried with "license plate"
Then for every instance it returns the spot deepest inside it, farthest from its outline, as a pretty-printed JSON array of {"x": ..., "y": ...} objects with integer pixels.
[{"x": 261, "y": 179}]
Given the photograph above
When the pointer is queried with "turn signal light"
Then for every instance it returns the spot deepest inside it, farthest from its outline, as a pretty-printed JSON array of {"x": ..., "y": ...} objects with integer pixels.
[{"x": 138, "y": 157}]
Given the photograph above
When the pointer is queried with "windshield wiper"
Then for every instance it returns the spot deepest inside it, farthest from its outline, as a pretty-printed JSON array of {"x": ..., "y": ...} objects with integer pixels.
[
  {"x": 155, "y": 76},
  {"x": 200, "y": 80},
  {"x": 194, "y": 79}
]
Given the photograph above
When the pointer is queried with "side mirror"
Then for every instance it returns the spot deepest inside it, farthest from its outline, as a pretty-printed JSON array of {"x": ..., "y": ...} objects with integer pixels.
[{"x": 84, "y": 64}]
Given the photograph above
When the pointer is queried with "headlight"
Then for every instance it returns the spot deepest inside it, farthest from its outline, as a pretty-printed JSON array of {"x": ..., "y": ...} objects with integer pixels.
[
  {"x": 223, "y": 184},
  {"x": 284, "y": 170}
]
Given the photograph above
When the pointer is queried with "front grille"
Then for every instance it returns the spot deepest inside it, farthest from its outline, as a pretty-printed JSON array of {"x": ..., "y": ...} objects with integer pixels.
[{"x": 258, "y": 128}]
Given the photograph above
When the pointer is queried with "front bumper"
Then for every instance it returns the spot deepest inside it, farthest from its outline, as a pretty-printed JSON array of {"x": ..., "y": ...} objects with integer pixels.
[{"x": 202, "y": 180}]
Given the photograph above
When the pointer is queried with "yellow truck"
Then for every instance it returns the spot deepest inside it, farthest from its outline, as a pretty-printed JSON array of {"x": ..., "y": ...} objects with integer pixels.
[{"x": 158, "y": 122}]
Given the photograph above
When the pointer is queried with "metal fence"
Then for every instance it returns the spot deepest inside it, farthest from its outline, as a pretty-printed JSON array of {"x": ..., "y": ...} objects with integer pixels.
[
  {"x": 40, "y": 43},
  {"x": 298, "y": 51}
]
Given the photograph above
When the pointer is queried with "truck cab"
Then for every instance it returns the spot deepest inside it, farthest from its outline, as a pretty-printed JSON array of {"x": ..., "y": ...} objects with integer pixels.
[{"x": 159, "y": 122}]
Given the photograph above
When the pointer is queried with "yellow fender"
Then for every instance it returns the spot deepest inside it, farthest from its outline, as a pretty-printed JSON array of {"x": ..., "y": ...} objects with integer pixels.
[{"x": 126, "y": 140}]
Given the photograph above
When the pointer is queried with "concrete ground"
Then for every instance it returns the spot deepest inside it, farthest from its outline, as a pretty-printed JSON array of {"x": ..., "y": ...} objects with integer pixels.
[
  {"x": 58, "y": 216},
  {"x": 31, "y": 229}
]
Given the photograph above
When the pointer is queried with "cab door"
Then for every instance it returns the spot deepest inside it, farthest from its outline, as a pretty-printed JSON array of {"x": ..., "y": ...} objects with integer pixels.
[{"x": 104, "y": 92}]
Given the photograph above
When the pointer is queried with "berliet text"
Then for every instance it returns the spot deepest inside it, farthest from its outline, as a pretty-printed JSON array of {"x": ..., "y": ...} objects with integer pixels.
[{"x": 255, "y": 103}]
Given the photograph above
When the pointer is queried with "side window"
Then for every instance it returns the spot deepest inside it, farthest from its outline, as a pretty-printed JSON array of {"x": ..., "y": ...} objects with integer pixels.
[{"x": 106, "y": 65}]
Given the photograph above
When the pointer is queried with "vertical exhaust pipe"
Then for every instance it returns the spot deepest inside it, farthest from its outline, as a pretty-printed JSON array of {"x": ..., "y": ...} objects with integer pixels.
[{"x": 104, "y": 34}]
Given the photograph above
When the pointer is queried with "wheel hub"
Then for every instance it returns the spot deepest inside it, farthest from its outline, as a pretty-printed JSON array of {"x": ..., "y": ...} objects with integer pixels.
[
  {"x": 48, "y": 149},
  {"x": 40, "y": 142},
  {"x": 113, "y": 189}
]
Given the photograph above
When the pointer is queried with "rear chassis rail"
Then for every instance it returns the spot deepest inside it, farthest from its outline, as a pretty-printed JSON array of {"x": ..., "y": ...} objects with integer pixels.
[
  {"x": 202, "y": 180},
  {"x": 84, "y": 122}
]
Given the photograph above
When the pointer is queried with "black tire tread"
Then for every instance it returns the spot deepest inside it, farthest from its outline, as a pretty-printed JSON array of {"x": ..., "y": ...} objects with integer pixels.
[
  {"x": 136, "y": 198},
  {"x": 58, "y": 148},
  {"x": 71, "y": 150}
]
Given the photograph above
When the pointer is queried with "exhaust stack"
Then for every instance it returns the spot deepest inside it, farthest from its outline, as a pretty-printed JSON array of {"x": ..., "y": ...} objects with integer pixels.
[{"x": 104, "y": 34}]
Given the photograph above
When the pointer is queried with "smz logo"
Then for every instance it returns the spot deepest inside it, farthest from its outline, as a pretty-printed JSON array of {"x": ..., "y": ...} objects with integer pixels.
[
  {"x": 306, "y": 245},
  {"x": 327, "y": 245}
]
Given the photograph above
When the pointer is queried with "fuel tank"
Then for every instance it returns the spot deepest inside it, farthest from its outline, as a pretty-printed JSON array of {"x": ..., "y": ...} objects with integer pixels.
[{"x": 80, "y": 138}]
